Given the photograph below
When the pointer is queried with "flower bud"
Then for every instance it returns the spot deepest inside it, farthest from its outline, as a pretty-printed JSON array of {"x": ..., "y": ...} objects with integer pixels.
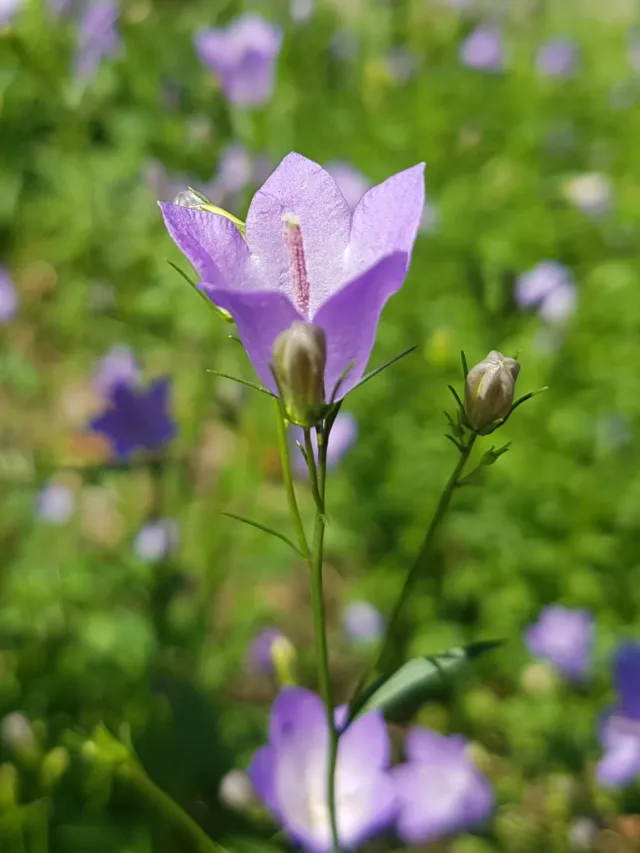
[
  {"x": 489, "y": 390},
  {"x": 299, "y": 357}
]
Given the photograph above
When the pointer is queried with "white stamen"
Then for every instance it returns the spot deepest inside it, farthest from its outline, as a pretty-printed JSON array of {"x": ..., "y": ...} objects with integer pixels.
[{"x": 297, "y": 263}]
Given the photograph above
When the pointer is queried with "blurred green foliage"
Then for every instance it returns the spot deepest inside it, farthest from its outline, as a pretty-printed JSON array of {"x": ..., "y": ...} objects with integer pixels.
[{"x": 91, "y": 634}]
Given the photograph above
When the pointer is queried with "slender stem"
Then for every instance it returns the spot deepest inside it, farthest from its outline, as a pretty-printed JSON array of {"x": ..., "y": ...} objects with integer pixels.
[
  {"x": 313, "y": 470},
  {"x": 168, "y": 808},
  {"x": 288, "y": 483},
  {"x": 319, "y": 626},
  {"x": 415, "y": 570}
]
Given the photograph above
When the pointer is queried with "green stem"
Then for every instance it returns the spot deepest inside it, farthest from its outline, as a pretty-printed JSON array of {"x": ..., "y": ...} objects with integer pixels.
[
  {"x": 418, "y": 564},
  {"x": 168, "y": 808},
  {"x": 288, "y": 483},
  {"x": 319, "y": 626},
  {"x": 313, "y": 470}
]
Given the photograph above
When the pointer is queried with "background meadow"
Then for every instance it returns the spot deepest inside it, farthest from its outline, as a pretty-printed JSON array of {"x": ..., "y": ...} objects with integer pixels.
[{"x": 126, "y": 597}]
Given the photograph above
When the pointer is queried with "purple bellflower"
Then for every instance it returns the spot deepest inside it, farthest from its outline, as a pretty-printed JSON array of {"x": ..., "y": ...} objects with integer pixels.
[
  {"x": 55, "y": 503},
  {"x": 439, "y": 788},
  {"x": 290, "y": 774},
  {"x": 351, "y": 183},
  {"x": 483, "y": 49},
  {"x": 620, "y": 728},
  {"x": 343, "y": 435},
  {"x": 550, "y": 287},
  {"x": 137, "y": 418},
  {"x": 363, "y": 623},
  {"x": 306, "y": 259},
  {"x": 156, "y": 540},
  {"x": 8, "y": 297},
  {"x": 97, "y": 36},
  {"x": 564, "y": 637},
  {"x": 243, "y": 55},
  {"x": 557, "y": 58},
  {"x": 119, "y": 365}
]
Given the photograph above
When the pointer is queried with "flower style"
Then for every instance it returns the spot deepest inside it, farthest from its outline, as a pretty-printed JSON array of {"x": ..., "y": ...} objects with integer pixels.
[
  {"x": 119, "y": 365},
  {"x": 8, "y": 297},
  {"x": 620, "y": 728},
  {"x": 483, "y": 50},
  {"x": 564, "y": 637},
  {"x": 343, "y": 435},
  {"x": 557, "y": 58},
  {"x": 439, "y": 788},
  {"x": 97, "y": 36},
  {"x": 549, "y": 286},
  {"x": 243, "y": 55},
  {"x": 306, "y": 259},
  {"x": 290, "y": 774},
  {"x": 137, "y": 418}
]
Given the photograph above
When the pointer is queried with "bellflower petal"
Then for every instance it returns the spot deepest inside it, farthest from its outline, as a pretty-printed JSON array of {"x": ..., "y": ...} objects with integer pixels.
[
  {"x": 386, "y": 220},
  {"x": 621, "y": 762},
  {"x": 262, "y": 774},
  {"x": 290, "y": 774},
  {"x": 564, "y": 637},
  {"x": 626, "y": 676},
  {"x": 439, "y": 788},
  {"x": 303, "y": 188},
  {"x": 260, "y": 316},
  {"x": 211, "y": 243},
  {"x": 350, "y": 319}
]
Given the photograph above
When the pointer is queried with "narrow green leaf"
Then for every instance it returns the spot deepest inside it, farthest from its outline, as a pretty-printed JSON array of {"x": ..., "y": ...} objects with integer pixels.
[
  {"x": 401, "y": 694},
  {"x": 465, "y": 366},
  {"x": 453, "y": 441},
  {"x": 456, "y": 397},
  {"x": 219, "y": 311},
  {"x": 265, "y": 529},
  {"x": 246, "y": 382},
  {"x": 382, "y": 367}
]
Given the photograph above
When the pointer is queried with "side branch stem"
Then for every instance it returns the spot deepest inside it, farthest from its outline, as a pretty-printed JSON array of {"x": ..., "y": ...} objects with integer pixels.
[
  {"x": 288, "y": 483},
  {"x": 442, "y": 506}
]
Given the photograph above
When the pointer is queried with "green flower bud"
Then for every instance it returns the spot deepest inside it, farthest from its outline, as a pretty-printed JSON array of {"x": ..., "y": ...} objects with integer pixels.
[
  {"x": 283, "y": 654},
  {"x": 54, "y": 766},
  {"x": 299, "y": 357},
  {"x": 489, "y": 390}
]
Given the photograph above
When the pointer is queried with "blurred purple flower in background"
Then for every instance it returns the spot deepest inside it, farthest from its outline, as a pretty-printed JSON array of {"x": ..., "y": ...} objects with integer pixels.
[
  {"x": 119, "y": 365},
  {"x": 243, "y": 55},
  {"x": 351, "y": 183},
  {"x": 343, "y": 435},
  {"x": 363, "y": 623},
  {"x": 590, "y": 192},
  {"x": 633, "y": 50},
  {"x": 8, "y": 297},
  {"x": 620, "y": 727},
  {"x": 97, "y": 36},
  {"x": 557, "y": 58},
  {"x": 234, "y": 174},
  {"x": 260, "y": 656},
  {"x": 137, "y": 418},
  {"x": 59, "y": 7},
  {"x": 565, "y": 638},
  {"x": 550, "y": 287},
  {"x": 400, "y": 64},
  {"x": 8, "y": 9},
  {"x": 55, "y": 503},
  {"x": 156, "y": 540},
  {"x": 440, "y": 789},
  {"x": 290, "y": 774},
  {"x": 345, "y": 266},
  {"x": 483, "y": 49}
]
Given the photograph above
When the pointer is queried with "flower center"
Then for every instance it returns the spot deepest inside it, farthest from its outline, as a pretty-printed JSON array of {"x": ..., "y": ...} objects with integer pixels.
[{"x": 297, "y": 263}]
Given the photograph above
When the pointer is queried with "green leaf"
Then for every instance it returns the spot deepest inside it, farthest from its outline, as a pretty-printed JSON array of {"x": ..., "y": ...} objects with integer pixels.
[
  {"x": 265, "y": 529},
  {"x": 401, "y": 694},
  {"x": 246, "y": 382},
  {"x": 382, "y": 367}
]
